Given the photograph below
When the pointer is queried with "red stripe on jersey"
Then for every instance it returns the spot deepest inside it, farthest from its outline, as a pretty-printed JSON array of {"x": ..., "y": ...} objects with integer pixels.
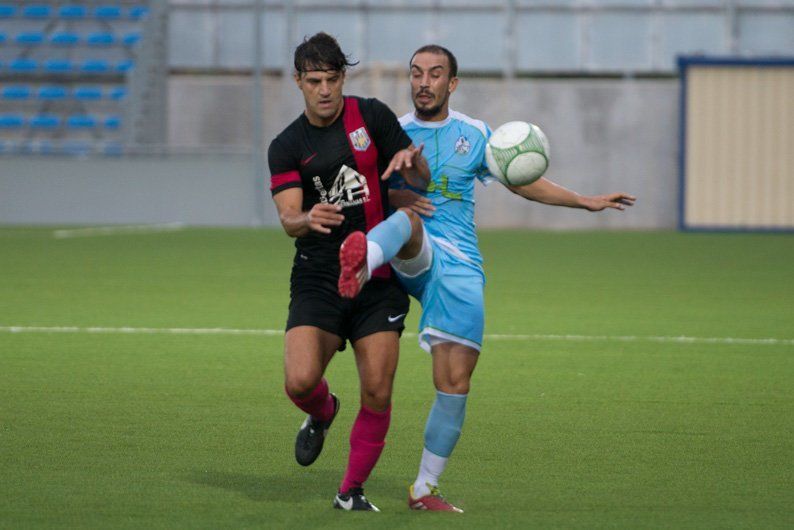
[
  {"x": 367, "y": 164},
  {"x": 284, "y": 178}
]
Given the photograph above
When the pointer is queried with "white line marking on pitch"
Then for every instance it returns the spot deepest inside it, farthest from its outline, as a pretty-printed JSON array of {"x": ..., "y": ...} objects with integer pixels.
[
  {"x": 493, "y": 336},
  {"x": 117, "y": 229}
]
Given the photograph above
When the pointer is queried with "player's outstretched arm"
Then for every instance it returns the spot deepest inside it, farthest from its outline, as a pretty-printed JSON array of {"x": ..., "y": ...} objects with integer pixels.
[
  {"x": 298, "y": 223},
  {"x": 412, "y": 165},
  {"x": 547, "y": 192}
]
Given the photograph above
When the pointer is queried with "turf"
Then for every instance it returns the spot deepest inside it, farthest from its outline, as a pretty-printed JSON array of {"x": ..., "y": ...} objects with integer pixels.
[{"x": 622, "y": 430}]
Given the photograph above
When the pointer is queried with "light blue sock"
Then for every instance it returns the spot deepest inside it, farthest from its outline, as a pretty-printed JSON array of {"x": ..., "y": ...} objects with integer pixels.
[
  {"x": 444, "y": 423},
  {"x": 390, "y": 235}
]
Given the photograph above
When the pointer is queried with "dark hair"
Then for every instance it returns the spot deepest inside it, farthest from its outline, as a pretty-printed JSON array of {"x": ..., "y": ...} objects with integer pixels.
[
  {"x": 440, "y": 50},
  {"x": 320, "y": 52}
]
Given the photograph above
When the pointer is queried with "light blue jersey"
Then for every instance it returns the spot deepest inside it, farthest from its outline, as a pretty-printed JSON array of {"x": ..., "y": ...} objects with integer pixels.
[
  {"x": 451, "y": 289},
  {"x": 455, "y": 151}
]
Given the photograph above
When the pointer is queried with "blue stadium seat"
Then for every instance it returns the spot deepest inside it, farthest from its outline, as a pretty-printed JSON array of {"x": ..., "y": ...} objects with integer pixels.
[
  {"x": 29, "y": 38},
  {"x": 7, "y": 11},
  {"x": 113, "y": 122},
  {"x": 125, "y": 66},
  {"x": 72, "y": 12},
  {"x": 117, "y": 93},
  {"x": 11, "y": 121},
  {"x": 87, "y": 93},
  {"x": 107, "y": 12},
  {"x": 23, "y": 65},
  {"x": 36, "y": 11},
  {"x": 94, "y": 66},
  {"x": 138, "y": 12},
  {"x": 100, "y": 39},
  {"x": 131, "y": 39},
  {"x": 52, "y": 93},
  {"x": 81, "y": 121},
  {"x": 58, "y": 66},
  {"x": 64, "y": 38},
  {"x": 16, "y": 92},
  {"x": 3, "y": 37},
  {"x": 45, "y": 121}
]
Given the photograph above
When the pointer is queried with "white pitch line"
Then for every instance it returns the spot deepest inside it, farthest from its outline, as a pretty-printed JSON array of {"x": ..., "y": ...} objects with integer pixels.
[
  {"x": 117, "y": 229},
  {"x": 494, "y": 336}
]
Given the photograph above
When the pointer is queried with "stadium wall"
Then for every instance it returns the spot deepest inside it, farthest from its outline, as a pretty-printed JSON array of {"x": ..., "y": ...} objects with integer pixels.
[
  {"x": 195, "y": 190},
  {"x": 606, "y": 134}
]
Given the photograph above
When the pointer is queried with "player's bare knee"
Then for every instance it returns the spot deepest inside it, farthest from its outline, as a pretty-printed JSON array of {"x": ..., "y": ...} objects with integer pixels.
[
  {"x": 453, "y": 383},
  {"x": 301, "y": 386},
  {"x": 376, "y": 398},
  {"x": 458, "y": 387}
]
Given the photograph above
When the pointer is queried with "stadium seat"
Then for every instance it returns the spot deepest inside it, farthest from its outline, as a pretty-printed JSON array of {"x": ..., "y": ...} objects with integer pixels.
[
  {"x": 45, "y": 121},
  {"x": 131, "y": 39},
  {"x": 29, "y": 38},
  {"x": 16, "y": 92},
  {"x": 23, "y": 65},
  {"x": 58, "y": 66},
  {"x": 11, "y": 121},
  {"x": 81, "y": 121},
  {"x": 72, "y": 12},
  {"x": 87, "y": 93},
  {"x": 138, "y": 12},
  {"x": 125, "y": 66},
  {"x": 113, "y": 122},
  {"x": 117, "y": 93},
  {"x": 94, "y": 66},
  {"x": 36, "y": 11},
  {"x": 3, "y": 37},
  {"x": 64, "y": 39},
  {"x": 107, "y": 12},
  {"x": 7, "y": 11},
  {"x": 52, "y": 93},
  {"x": 100, "y": 39}
]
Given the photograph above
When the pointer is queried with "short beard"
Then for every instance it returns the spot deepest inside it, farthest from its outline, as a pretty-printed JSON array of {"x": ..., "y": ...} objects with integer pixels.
[{"x": 427, "y": 114}]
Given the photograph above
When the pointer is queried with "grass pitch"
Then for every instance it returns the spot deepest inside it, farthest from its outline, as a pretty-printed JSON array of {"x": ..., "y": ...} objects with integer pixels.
[{"x": 624, "y": 382}]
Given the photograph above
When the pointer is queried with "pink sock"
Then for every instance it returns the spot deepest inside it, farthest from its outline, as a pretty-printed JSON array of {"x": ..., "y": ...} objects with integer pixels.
[
  {"x": 319, "y": 404},
  {"x": 367, "y": 439}
]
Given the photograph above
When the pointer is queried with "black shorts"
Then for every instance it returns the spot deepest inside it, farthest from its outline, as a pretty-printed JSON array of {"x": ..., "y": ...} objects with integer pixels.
[{"x": 380, "y": 306}]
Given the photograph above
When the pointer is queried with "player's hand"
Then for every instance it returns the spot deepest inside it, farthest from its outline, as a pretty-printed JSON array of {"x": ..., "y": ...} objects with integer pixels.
[
  {"x": 410, "y": 199},
  {"x": 405, "y": 160},
  {"x": 618, "y": 201},
  {"x": 322, "y": 216}
]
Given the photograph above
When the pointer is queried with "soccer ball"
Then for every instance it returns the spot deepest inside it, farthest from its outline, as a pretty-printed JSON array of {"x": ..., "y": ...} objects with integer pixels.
[{"x": 517, "y": 153}]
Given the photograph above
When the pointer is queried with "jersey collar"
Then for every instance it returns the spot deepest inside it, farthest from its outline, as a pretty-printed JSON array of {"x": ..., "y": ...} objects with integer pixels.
[{"x": 433, "y": 124}]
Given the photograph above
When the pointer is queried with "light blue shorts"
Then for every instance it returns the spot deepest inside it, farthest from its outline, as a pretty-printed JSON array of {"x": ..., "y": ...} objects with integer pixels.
[{"x": 451, "y": 294}]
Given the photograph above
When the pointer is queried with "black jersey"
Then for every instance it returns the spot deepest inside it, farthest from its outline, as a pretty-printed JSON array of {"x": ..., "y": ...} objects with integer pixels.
[{"x": 338, "y": 164}]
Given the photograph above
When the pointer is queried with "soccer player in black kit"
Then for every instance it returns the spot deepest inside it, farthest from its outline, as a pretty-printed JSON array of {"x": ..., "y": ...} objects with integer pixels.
[{"x": 328, "y": 170}]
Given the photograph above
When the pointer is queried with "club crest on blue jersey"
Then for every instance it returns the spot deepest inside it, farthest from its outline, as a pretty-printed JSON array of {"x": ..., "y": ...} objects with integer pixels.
[
  {"x": 360, "y": 139},
  {"x": 462, "y": 146}
]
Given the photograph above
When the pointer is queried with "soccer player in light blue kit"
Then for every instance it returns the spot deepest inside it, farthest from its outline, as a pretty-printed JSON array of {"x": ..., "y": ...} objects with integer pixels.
[{"x": 440, "y": 265}]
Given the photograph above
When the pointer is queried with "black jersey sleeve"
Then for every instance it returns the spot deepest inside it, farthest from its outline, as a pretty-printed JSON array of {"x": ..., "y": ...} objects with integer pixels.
[
  {"x": 388, "y": 133},
  {"x": 283, "y": 166}
]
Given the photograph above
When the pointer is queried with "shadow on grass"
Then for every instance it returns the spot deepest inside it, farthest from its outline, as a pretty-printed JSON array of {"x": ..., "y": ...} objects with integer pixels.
[{"x": 298, "y": 487}]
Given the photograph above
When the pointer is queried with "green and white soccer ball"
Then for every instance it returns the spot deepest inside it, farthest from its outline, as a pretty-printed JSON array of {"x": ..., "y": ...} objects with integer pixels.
[{"x": 517, "y": 153}]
